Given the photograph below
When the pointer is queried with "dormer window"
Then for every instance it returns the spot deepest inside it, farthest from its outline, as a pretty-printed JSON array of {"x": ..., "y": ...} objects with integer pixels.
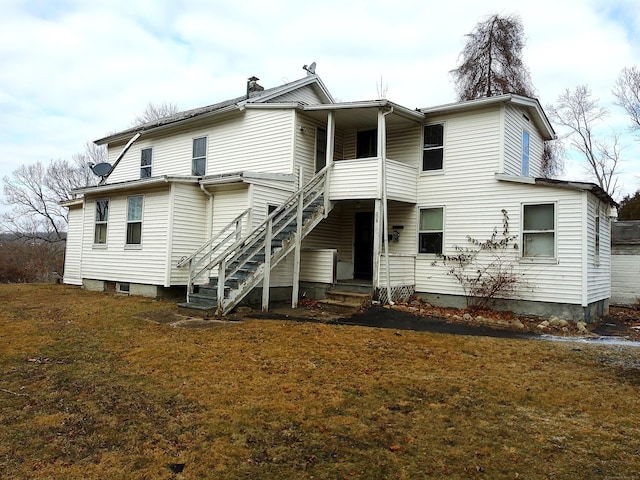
[{"x": 145, "y": 163}]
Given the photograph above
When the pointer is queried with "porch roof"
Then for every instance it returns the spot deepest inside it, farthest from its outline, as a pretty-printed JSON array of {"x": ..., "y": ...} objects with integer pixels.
[{"x": 364, "y": 113}]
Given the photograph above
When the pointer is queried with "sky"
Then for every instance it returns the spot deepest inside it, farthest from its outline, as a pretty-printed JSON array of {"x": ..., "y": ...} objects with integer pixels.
[{"x": 73, "y": 71}]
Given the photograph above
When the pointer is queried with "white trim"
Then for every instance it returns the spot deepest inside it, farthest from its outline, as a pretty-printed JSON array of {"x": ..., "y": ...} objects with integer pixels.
[
  {"x": 585, "y": 250},
  {"x": 514, "y": 178},
  {"x": 541, "y": 259}
]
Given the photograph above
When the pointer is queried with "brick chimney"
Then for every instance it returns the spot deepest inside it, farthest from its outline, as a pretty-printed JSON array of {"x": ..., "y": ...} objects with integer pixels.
[{"x": 253, "y": 87}]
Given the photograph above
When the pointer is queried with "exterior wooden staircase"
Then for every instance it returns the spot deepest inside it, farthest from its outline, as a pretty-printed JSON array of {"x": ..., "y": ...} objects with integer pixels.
[{"x": 226, "y": 268}]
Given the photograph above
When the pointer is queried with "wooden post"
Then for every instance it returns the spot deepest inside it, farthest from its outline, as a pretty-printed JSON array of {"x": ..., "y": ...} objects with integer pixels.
[
  {"x": 298, "y": 245},
  {"x": 331, "y": 131},
  {"x": 221, "y": 279},
  {"x": 267, "y": 267}
]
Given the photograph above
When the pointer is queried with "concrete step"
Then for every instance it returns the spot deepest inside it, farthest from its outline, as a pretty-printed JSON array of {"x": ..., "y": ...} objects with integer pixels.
[
  {"x": 345, "y": 301},
  {"x": 354, "y": 286}
]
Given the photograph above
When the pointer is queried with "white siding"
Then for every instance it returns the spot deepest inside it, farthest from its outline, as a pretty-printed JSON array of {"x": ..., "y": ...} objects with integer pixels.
[
  {"x": 116, "y": 261},
  {"x": 474, "y": 209},
  {"x": 598, "y": 269},
  {"x": 256, "y": 140},
  {"x": 515, "y": 124},
  {"x": 402, "y": 270},
  {"x": 625, "y": 279},
  {"x": 355, "y": 179},
  {"x": 227, "y": 205},
  {"x": 73, "y": 249},
  {"x": 188, "y": 229},
  {"x": 318, "y": 265},
  {"x": 404, "y": 144},
  {"x": 259, "y": 140},
  {"x": 306, "y": 94},
  {"x": 262, "y": 196}
]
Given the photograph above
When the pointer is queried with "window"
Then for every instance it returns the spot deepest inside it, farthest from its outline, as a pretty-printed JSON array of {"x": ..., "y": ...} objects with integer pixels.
[
  {"x": 199, "y": 159},
  {"x": 321, "y": 148},
  {"x": 538, "y": 232},
  {"x": 134, "y": 220},
  {"x": 431, "y": 230},
  {"x": 597, "y": 238},
  {"x": 525, "y": 153},
  {"x": 367, "y": 144},
  {"x": 433, "y": 147},
  {"x": 145, "y": 163},
  {"x": 102, "y": 217}
]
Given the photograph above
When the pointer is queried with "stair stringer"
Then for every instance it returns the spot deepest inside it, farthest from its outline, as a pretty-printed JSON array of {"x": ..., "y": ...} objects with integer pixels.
[{"x": 236, "y": 295}]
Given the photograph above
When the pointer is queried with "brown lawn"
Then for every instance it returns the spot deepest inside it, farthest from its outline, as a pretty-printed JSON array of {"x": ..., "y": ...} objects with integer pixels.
[{"x": 92, "y": 387}]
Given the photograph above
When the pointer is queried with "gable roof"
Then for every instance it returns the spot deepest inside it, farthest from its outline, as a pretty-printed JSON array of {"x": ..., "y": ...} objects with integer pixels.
[
  {"x": 221, "y": 107},
  {"x": 532, "y": 105}
]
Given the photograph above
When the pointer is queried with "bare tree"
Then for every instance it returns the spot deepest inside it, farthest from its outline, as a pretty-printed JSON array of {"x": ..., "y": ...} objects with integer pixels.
[
  {"x": 581, "y": 114},
  {"x": 35, "y": 192},
  {"x": 552, "y": 154},
  {"x": 155, "y": 111},
  {"x": 491, "y": 61},
  {"x": 627, "y": 91}
]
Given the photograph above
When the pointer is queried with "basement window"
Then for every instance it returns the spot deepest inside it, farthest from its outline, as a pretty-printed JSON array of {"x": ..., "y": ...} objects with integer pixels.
[{"x": 123, "y": 287}]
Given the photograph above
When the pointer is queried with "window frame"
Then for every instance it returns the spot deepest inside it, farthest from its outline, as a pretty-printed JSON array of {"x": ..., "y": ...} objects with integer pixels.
[
  {"x": 102, "y": 222},
  {"x": 132, "y": 222},
  {"x": 194, "y": 158},
  {"x": 431, "y": 231},
  {"x": 433, "y": 171},
  {"x": 597, "y": 237},
  {"x": 526, "y": 153},
  {"x": 525, "y": 233},
  {"x": 146, "y": 167}
]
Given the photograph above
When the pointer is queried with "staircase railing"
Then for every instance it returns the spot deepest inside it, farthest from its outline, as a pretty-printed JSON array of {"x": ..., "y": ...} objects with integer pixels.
[
  {"x": 210, "y": 248},
  {"x": 242, "y": 264}
]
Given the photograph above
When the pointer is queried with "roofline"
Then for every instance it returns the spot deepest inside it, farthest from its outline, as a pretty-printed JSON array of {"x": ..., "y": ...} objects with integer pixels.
[
  {"x": 277, "y": 91},
  {"x": 399, "y": 109},
  {"x": 529, "y": 102},
  {"x": 135, "y": 184},
  {"x": 238, "y": 104},
  {"x": 127, "y": 134}
]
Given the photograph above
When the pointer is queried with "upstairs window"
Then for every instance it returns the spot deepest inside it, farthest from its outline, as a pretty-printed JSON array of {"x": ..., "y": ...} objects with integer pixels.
[
  {"x": 433, "y": 148},
  {"x": 199, "y": 159},
  {"x": 431, "y": 230},
  {"x": 539, "y": 231},
  {"x": 134, "y": 220},
  {"x": 145, "y": 163},
  {"x": 525, "y": 153},
  {"x": 102, "y": 218}
]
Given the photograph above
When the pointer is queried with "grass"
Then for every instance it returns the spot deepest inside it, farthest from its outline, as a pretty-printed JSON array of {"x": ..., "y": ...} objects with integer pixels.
[{"x": 90, "y": 388}]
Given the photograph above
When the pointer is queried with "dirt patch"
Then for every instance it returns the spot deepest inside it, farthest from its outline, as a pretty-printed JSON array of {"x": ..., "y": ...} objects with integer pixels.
[{"x": 176, "y": 320}]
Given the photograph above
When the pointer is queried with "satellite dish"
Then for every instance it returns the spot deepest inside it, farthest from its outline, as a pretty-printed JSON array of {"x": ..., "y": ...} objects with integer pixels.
[
  {"x": 101, "y": 169},
  {"x": 311, "y": 69}
]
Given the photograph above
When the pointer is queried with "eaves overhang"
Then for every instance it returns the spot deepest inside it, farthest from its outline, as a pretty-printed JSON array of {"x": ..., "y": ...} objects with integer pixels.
[
  {"x": 531, "y": 104},
  {"x": 132, "y": 185},
  {"x": 397, "y": 109}
]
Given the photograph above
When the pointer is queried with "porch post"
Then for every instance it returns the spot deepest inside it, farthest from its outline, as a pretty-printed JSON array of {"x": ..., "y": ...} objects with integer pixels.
[
  {"x": 377, "y": 241},
  {"x": 331, "y": 131},
  {"x": 298, "y": 239},
  {"x": 267, "y": 267}
]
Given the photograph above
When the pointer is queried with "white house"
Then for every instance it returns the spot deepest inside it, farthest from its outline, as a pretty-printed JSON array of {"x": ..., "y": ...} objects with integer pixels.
[{"x": 366, "y": 192}]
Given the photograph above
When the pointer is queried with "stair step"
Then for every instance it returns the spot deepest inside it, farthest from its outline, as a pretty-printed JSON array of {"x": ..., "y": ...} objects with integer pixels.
[
  {"x": 200, "y": 300},
  {"x": 194, "y": 310},
  {"x": 357, "y": 298},
  {"x": 354, "y": 287}
]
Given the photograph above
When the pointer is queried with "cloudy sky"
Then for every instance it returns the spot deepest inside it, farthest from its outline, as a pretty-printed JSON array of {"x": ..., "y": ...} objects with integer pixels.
[{"x": 72, "y": 71}]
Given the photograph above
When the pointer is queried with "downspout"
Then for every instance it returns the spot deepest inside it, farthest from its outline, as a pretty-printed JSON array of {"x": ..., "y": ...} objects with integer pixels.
[
  {"x": 385, "y": 215},
  {"x": 124, "y": 150}
]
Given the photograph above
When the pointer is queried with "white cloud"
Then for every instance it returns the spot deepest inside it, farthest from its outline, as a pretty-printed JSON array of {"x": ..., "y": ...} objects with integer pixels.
[{"x": 75, "y": 70}]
